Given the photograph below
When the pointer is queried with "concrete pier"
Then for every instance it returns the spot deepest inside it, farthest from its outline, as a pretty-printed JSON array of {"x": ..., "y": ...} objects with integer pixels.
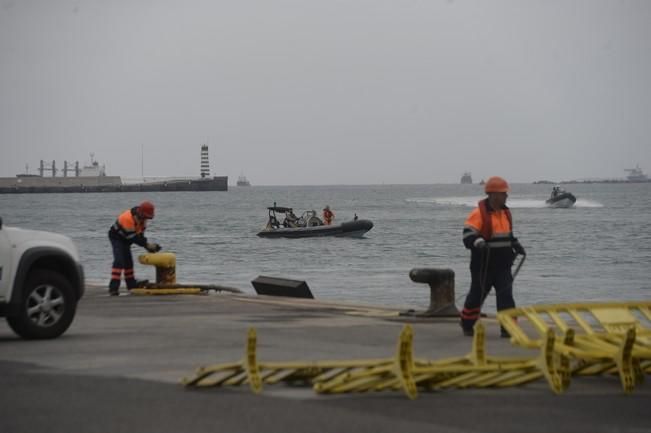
[{"x": 119, "y": 366}]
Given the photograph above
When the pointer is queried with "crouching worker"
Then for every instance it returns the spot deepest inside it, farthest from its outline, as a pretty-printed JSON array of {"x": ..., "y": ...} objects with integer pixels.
[{"x": 129, "y": 228}]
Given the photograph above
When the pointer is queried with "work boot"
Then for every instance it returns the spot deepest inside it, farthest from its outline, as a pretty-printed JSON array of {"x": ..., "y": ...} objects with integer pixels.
[
  {"x": 468, "y": 332},
  {"x": 136, "y": 284},
  {"x": 114, "y": 288}
]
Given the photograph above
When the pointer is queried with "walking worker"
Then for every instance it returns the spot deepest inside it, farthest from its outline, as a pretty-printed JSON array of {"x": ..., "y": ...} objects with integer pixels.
[
  {"x": 129, "y": 228},
  {"x": 328, "y": 215},
  {"x": 488, "y": 234}
]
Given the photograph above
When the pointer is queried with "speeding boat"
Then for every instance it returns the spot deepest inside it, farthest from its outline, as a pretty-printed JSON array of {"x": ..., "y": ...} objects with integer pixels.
[
  {"x": 560, "y": 198},
  {"x": 309, "y": 225}
]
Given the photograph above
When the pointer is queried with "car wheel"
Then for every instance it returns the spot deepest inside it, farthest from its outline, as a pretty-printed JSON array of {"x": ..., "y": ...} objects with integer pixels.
[{"x": 47, "y": 306}]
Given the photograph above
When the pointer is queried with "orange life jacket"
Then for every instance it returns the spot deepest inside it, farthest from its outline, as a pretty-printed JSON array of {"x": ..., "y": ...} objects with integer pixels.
[
  {"x": 327, "y": 216},
  {"x": 495, "y": 226},
  {"x": 487, "y": 219}
]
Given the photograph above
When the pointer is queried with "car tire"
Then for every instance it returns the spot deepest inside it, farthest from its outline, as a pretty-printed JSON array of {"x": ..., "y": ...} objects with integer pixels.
[{"x": 46, "y": 307}]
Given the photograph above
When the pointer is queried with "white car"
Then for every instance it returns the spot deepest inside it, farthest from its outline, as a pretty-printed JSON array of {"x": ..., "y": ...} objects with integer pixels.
[{"x": 41, "y": 282}]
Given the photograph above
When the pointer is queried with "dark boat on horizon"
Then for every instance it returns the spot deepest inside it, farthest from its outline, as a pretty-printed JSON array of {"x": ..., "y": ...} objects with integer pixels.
[
  {"x": 466, "y": 178},
  {"x": 310, "y": 225}
]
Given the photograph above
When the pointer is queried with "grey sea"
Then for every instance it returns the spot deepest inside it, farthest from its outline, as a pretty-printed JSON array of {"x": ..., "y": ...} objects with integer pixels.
[{"x": 599, "y": 250}]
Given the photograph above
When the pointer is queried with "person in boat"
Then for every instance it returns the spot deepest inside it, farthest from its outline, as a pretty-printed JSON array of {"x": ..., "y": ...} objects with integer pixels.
[
  {"x": 556, "y": 191},
  {"x": 488, "y": 234},
  {"x": 328, "y": 215},
  {"x": 291, "y": 220},
  {"x": 129, "y": 228}
]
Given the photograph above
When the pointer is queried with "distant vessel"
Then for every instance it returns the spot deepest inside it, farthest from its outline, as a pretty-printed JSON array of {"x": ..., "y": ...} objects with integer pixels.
[
  {"x": 636, "y": 175},
  {"x": 466, "y": 178},
  {"x": 243, "y": 181},
  {"x": 94, "y": 169},
  {"x": 93, "y": 178}
]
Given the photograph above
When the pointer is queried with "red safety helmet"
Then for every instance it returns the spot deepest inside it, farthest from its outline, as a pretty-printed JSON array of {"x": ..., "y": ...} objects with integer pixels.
[
  {"x": 146, "y": 210},
  {"x": 496, "y": 184}
]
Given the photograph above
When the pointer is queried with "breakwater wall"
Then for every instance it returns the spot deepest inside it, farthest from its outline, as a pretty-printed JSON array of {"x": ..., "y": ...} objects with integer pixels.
[{"x": 39, "y": 185}]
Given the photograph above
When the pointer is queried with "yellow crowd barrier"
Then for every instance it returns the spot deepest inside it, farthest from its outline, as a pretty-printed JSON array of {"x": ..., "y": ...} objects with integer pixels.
[
  {"x": 590, "y": 338},
  {"x": 573, "y": 339},
  {"x": 400, "y": 372}
]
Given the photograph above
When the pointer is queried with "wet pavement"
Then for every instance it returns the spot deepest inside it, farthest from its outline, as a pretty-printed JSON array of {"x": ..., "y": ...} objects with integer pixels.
[{"x": 119, "y": 367}]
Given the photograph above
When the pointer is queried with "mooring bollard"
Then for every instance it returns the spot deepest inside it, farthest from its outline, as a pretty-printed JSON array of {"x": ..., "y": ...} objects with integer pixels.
[
  {"x": 441, "y": 283},
  {"x": 165, "y": 264}
]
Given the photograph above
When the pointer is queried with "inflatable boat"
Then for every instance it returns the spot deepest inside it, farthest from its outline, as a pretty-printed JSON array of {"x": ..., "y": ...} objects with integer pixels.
[
  {"x": 310, "y": 225},
  {"x": 560, "y": 198}
]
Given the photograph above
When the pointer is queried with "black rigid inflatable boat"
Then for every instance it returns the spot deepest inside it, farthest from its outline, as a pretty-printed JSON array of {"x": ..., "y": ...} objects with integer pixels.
[
  {"x": 310, "y": 225},
  {"x": 560, "y": 198}
]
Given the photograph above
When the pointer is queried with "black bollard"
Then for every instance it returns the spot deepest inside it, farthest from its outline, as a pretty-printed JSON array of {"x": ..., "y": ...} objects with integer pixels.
[{"x": 441, "y": 283}]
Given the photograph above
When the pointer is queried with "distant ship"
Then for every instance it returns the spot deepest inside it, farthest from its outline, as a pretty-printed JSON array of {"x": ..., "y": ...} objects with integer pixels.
[
  {"x": 636, "y": 175},
  {"x": 243, "y": 181},
  {"x": 466, "y": 178},
  {"x": 93, "y": 178},
  {"x": 94, "y": 169}
]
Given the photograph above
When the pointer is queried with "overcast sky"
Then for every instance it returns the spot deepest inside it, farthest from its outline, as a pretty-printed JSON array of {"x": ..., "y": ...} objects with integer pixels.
[{"x": 329, "y": 91}]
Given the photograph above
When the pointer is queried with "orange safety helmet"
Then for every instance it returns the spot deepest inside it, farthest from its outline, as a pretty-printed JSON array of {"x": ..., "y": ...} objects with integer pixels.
[
  {"x": 146, "y": 209},
  {"x": 496, "y": 184}
]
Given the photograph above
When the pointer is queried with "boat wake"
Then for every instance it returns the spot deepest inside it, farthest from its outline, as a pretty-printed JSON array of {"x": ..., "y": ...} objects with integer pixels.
[{"x": 515, "y": 203}]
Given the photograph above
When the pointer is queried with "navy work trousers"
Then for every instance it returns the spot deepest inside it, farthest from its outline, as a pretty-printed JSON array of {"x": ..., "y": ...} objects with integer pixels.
[
  {"x": 122, "y": 262},
  {"x": 501, "y": 279}
]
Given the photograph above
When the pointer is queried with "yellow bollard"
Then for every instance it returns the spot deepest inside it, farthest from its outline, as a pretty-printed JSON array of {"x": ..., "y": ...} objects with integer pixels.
[{"x": 165, "y": 264}]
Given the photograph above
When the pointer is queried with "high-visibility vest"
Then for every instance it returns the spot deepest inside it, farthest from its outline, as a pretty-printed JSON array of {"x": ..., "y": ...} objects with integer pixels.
[
  {"x": 127, "y": 227},
  {"x": 495, "y": 226}
]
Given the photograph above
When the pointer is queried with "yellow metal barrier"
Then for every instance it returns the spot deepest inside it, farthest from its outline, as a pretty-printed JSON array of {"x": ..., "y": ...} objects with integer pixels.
[
  {"x": 597, "y": 337},
  {"x": 477, "y": 369},
  {"x": 586, "y": 339},
  {"x": 401, "y": 372},
  {"x": 324, "y": 377}
]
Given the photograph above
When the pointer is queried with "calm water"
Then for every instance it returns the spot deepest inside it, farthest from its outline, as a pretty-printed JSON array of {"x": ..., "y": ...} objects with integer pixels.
[{"x": 600, "y": 250}]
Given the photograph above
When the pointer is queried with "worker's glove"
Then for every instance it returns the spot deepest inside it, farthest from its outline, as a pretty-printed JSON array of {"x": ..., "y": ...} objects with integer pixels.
[
  {"x": 517, "y": 247},
  {"x": 152, "y": 248},
  {"x": 480, "y": 243}
]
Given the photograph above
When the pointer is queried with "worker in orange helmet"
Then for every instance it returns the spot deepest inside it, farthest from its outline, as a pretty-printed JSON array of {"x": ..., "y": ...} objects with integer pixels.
[
  {"x": 488, "y": 234},
  {"x": 328, "y": 215},
  {"x": 129, "y": 228}
]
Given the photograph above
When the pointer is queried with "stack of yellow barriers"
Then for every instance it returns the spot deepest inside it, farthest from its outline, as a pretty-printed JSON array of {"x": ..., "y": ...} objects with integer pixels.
[
  {"x": 571, "y": 339},
  {"x": 585, "y": 339}
]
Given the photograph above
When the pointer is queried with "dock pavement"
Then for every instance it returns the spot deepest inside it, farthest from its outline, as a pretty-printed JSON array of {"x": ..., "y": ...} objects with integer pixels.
[{"x": 119, "y": 369}]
